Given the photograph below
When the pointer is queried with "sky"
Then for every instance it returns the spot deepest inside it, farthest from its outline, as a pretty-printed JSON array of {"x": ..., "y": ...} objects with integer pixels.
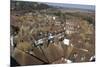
[
  {"x": 84, "y": 2},
  {"x": 67, "y": 5}
]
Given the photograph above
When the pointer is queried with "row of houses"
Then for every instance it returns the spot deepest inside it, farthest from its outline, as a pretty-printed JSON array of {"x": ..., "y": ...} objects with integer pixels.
[{"x": 72, "y": 26}]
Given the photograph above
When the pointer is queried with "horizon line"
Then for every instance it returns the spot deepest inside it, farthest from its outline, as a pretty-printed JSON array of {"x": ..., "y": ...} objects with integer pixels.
[{"x": 81, "y": 2}]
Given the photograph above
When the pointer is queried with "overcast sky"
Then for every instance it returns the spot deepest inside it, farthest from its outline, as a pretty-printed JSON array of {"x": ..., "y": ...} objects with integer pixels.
[
  {"x": 83, "y": 4},
  {"x": 67, "y": 5},
  {"x": 87, "y": 2}
]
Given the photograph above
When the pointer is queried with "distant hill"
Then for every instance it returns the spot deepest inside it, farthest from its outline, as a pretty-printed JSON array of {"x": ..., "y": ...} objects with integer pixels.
[
  {"x": 24, "y": 5},
  {"x": 78, "y": 6}
]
